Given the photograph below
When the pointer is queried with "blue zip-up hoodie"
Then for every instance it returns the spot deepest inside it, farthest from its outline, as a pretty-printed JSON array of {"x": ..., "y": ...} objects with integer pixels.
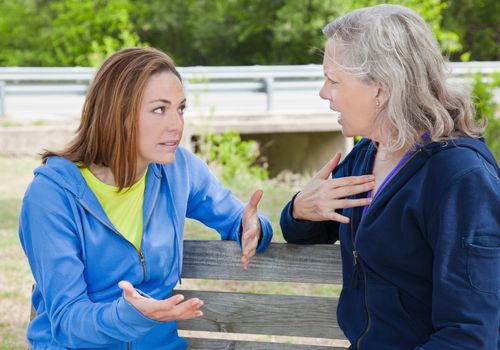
[
  {"x": 421, "y": 268},
  {"x": 78, "y": 257}
]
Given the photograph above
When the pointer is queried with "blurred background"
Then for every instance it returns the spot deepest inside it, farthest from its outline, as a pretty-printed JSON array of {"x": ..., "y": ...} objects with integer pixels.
[{"x": 252, "y": 73}]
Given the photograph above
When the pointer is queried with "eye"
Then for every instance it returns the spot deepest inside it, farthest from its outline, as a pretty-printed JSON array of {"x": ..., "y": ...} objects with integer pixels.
[
  {"x": 182, "y": 109},
  {"x": 159, "y": 110}
]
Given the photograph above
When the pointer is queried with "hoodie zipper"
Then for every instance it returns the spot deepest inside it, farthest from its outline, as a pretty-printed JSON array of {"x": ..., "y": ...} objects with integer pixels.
[
  {"x": 357, "y": 266},
  {"x": 355, "y": 253},
  {"x": 139, "y": 252}
]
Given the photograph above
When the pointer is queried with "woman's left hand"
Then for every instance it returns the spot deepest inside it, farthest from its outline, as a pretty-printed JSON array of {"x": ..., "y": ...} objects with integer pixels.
[{"x": 251, "y": 229}]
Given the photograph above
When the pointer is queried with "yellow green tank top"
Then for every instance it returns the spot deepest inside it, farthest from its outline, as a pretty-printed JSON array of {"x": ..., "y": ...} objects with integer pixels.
[{"x": 124, "y": 209}]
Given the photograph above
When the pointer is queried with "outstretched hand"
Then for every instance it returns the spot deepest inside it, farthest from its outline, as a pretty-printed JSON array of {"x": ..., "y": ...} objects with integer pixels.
[
  {"x": 170, "y": 309},
  {"x": 251, "y": 229},
  {"x": 323, "y": 195}
]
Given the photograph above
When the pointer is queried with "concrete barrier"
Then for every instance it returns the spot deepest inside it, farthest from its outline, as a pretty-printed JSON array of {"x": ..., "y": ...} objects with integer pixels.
[{"x": 297, "y": 142}]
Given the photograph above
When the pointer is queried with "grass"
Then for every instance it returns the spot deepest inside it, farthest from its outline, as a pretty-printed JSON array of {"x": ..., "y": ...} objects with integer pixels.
[
  {"x": 15, "y": 275},
  {"x": 14, "y": 123}
]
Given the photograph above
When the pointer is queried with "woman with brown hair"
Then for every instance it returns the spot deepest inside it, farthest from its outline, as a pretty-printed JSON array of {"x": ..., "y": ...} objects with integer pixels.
[{"x": 102, "y": 221}]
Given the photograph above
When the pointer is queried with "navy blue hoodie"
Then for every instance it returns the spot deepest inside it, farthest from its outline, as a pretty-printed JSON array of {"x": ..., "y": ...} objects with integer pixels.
[{"x": 421, "y": 268}]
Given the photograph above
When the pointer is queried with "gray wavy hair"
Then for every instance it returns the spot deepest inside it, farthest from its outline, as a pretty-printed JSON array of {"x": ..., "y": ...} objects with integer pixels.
[{"x": 392, "y": 45}]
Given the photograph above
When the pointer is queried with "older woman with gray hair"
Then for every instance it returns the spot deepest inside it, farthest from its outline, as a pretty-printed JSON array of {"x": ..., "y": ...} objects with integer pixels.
[{"x": 421, "y": 260}]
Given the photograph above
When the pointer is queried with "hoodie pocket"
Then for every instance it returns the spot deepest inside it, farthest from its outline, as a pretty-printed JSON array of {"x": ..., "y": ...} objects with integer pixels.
[{"x": 483, "y": 267}]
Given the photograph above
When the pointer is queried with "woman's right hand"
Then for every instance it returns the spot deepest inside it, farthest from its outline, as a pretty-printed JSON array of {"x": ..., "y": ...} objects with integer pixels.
[
  {"x": 170, "y": 309},
  {"x": 323, "y": 195}
]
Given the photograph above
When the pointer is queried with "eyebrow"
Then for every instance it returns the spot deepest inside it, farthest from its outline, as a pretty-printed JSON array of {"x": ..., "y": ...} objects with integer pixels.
[
  {"x": 166, "y": 101},
  {"x": 331, "y": 76}
]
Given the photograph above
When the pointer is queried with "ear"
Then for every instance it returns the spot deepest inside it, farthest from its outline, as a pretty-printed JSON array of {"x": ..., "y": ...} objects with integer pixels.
[{"x": 381, "y": 93}]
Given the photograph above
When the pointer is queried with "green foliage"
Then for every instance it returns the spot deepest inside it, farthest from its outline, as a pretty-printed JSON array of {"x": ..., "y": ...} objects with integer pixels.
[
  {"x": 431, "y": 12},
  {"x": 217, "y": 32},
  {"x": 487, "y": 108},
  {"x": 231, "y": 157},
  {"x": 64, "y": 32},
  {"x": 20, "y": 34},
  {"x": 85, "y": 32},
  {"x": 240, "y": 32},
  {"x": 477, "y": 23}
]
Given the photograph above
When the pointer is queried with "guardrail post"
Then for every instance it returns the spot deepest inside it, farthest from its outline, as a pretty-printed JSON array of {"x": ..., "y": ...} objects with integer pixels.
[
  {"x": 2, "y": 99},
  {"x": 268, "y": 88}
]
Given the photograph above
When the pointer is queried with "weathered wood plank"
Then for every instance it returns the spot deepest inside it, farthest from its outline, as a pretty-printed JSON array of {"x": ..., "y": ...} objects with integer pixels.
[
  {"x": 219, "y": 344},
  {"x": 281, "y": 262},
  {"x": 265, "y": 314}
]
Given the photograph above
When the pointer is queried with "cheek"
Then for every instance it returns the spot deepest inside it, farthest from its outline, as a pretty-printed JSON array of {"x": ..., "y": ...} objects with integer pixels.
[{"x": 146, "y": 131}]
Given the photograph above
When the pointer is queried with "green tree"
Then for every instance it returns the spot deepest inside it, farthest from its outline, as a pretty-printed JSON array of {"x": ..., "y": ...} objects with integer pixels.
[
  {"x": 477, "y": 22},
  {"x": 432, "y": 12},
  {"x": 64, "y": 32},
  {"x": 240, "y": 32},
  {"x": 486, "y": 109},
  {"x": 20, "y": 26}
]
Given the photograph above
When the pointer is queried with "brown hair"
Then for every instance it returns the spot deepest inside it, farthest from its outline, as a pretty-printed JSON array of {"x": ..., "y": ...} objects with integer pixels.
[{"x": 107, "y": 132}]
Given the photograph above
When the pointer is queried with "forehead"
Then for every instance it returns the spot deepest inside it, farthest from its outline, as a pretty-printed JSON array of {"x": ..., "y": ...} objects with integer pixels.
[
  {"x": 163, "y": 84},
  {"x": 332, "y": 56}
]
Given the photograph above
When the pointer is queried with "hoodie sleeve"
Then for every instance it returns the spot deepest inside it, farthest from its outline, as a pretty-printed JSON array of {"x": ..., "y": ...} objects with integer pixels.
[
  {"x": 216, "y": 207},
  {"x": 317, "y": 232},
  {"x": 465, "y": 238},
  {"x": 49, "y": 236},
  {"x": 306, "y": 232}
]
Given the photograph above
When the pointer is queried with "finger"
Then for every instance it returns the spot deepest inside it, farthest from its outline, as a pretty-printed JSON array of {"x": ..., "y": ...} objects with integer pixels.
[
  {"x": 245, "y": 261},
  {"x": 250, "y": 253},
  {"x": 327, "y": 169},
  {"x": 352, "y": 203},
  {"x": 189, "y": 308},
  {"x": 334, "y": 216},
  {"x": 351, "y": 180},
  {"x": 346, "y": 191},
  {"x": 249, "y": 247},
  {"x": 247, "y": 256},
  {"x": 176, "y": 299},
  {"x": 129, "y": 291},
  {"x": 255, "y": 199},
  {"x": 249, "y": 235}
]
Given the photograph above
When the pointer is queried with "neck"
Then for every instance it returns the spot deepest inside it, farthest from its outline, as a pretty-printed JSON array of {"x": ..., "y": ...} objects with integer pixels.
[
  {"x": 105, "y": 174},
  {"x": 385, "y": 155}
]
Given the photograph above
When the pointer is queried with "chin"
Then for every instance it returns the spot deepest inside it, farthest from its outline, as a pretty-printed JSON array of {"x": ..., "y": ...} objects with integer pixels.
[
  {"x": 347, "y": 133},
  {"x": 164, "y": 158},
  {"x": 167, "y": 160}
]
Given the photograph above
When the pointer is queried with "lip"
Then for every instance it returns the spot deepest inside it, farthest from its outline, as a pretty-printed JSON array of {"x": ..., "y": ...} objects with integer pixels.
[{"x": 169, "y": 144}]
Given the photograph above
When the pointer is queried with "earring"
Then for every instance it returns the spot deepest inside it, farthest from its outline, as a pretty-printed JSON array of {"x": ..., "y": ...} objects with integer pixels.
[{"x": 377, "y": 102}]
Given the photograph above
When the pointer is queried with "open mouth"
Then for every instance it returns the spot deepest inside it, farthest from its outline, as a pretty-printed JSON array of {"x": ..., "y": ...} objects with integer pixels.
[{"x": 169, "y": 144}]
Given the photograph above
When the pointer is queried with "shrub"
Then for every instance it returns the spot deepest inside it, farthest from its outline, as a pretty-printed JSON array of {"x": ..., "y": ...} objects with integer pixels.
[
  {"x": 486, "y": 109},
  {"x": 231, "y": 157}
]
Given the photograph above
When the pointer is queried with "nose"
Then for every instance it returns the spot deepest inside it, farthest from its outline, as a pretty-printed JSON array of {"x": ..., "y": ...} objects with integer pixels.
[
  {"x": 176, "y": 121},
  {"x": 323, "y": 92}
]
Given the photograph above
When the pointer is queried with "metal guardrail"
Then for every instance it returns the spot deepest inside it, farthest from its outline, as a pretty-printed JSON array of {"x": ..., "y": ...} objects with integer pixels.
[{"x": 252, "y": 79}]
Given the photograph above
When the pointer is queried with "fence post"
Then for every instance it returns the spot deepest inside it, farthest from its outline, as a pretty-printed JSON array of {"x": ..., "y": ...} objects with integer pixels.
[
  {"x": 268, "y": 88},
  {"x": 2, "y": 99}
]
